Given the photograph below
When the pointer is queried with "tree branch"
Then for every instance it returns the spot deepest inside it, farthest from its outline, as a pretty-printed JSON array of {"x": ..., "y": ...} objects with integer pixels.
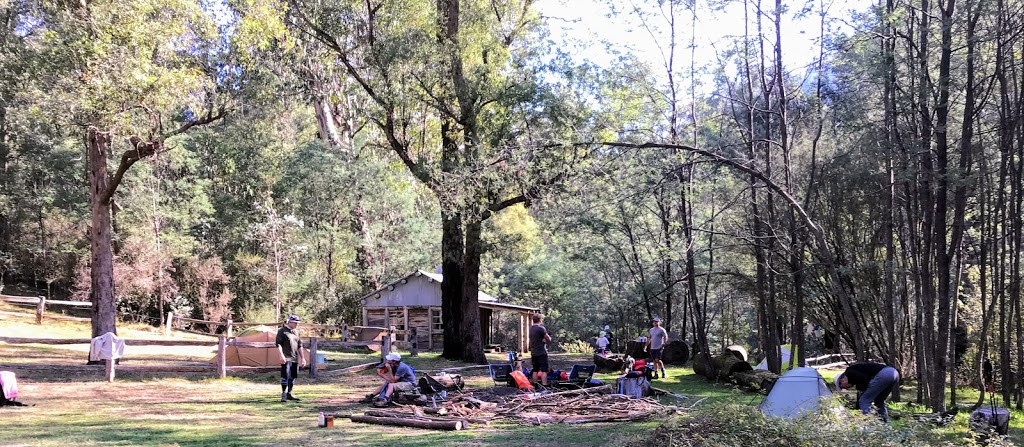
[{"x": 142, "y": 149}]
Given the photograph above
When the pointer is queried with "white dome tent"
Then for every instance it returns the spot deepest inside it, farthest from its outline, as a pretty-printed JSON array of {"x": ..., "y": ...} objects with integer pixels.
[
  {"x": 785, "y": 360},
  {"x": 795, "y": 394}
]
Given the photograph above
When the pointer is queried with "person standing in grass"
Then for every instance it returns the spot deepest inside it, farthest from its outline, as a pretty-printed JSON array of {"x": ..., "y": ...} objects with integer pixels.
[
  {"x": 656, "y": 342},
  {"x": 874, "y": 382},
  {"x": 539, "y": 339},
  {"x": 289, "y": 347}
]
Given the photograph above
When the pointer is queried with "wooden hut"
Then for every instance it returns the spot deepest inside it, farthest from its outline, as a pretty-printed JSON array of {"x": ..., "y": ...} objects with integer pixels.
[{"x": 414, "y": 301}]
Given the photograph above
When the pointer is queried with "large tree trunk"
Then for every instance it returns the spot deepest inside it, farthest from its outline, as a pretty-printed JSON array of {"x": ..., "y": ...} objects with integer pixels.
[
  {"x": 102, "y": 266},
  {"x": 472, "y": 338},
  {"x": 452, "y": 263}
]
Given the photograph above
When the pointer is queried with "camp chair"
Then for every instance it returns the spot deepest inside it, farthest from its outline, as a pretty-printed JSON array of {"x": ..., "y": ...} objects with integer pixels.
[
  {"x": 430, "y": 387},
  {"x": 500, "y": 373},
  {"x": 579, "y": 377}
]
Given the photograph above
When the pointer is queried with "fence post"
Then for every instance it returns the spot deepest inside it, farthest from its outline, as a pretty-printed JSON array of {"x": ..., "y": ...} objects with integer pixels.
[
  {"x": 40, "y": 306},
  {"x": 313, "y": 364},
  {"x": 170, "y": 321},
  {"x": 110, "y": 370},
  {"x": 344, "y": 332},
  {"x": 229, "y": 327},
  {"x": 385, "y": 345},
  {"x": 222, "y": 357},
  {"x": 415, "y": 342}
]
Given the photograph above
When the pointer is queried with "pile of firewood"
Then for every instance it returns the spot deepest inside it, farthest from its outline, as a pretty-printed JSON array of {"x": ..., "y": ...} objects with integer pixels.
[{"x": 482, "y": 406}]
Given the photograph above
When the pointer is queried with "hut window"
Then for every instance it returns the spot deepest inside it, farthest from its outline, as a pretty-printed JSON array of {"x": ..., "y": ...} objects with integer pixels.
[
  {"x": 397, "y": 319},
  {"x": 435, "y": 320}
]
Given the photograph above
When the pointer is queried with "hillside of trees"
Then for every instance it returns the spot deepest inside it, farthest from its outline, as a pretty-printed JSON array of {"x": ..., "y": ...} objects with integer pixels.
[{"x": 247, "y": 159}]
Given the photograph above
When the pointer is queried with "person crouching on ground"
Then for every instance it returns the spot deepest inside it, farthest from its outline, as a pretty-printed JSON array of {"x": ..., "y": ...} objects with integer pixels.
[
  {"x": 397, "y": 376},
  {"x": 289, "y": 348},
  {"x": 874, "y": 381},
  {"x": 539, "y": 339}
]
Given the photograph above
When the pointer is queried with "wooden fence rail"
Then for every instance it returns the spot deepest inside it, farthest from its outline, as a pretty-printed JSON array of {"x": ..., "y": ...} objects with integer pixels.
[
  {"x": 229, "y": 325},
  {"x": 42, "y": 302},
  {"x": 221, "y": 369}
]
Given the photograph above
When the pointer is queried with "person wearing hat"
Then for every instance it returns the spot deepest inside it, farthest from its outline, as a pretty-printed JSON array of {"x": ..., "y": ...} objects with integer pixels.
[
  {"x": 610, "y": 336},
  {"x": 397, "y": 376},
  {"x": 656, "y": 342},
  {"x": 602, "y": 343},
  {"x": 289, "y": 347},
  {"x": 874, "y": 382}
]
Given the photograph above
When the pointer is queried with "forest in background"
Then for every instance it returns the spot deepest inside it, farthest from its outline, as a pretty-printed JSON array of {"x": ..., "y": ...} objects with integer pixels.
[{"x": 248, "y": 158}]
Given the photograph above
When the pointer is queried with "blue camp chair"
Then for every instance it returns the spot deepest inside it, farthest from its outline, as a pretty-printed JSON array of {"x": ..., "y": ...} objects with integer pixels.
[
  {"x": 579, "y": 377},
  {"x": 500, "y": 374}
]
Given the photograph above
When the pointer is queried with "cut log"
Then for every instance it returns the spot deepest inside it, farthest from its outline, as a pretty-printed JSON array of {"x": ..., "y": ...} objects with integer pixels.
[
  {"x": 408, "y": 422},
  {"x": 610, "y": 363},
  {"x": 727, "y": 364},
  {"x": 677, "y": 352},
  {"x": 739, "y": 351},
  {"x": 635, "y": 349},
  {"x": 479, "y": 403},
  {"x": 757, "y": 379},
  {"x": 700, "y": 367}
]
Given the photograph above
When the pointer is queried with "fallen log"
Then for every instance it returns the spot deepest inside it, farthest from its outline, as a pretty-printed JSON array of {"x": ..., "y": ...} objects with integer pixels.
[
  {"x": 727, "y": 364},
  {"x": 479, "y": 403},
  {"x": 417, "y": 413},
  {"x": 757, "y": 379},
  {"x": 407, "y": 422},
  {"x": 609, "y": 363},
  {"x": 739, "y": 351},
  {"x": 676, "y": 352}
]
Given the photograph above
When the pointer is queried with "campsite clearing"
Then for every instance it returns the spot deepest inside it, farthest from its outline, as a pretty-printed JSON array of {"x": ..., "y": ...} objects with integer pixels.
[{"x": 75, "y": 407}]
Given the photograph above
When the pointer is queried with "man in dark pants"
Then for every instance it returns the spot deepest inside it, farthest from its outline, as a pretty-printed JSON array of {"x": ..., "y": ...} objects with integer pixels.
[
  {"x": 539, "y": 339},
  {"x": 874, "y": 381},
  {"x": 289, "y": 347}
]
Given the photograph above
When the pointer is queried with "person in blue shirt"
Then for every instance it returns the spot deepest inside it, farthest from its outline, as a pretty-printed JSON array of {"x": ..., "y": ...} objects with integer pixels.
[{"x": 397, "y": 376}]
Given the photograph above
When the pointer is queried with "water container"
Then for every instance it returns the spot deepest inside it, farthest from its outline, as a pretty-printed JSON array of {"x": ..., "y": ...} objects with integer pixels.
[{"x": 321, "y": 421}]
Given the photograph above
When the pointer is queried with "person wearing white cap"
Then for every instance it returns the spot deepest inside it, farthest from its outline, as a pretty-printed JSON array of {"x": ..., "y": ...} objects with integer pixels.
[
  {"x": 602, "y": 343},
  {"x": 656, "y": 342},
  {"x": 396, "y": 375},
  {"x": 289, "y": 347}
]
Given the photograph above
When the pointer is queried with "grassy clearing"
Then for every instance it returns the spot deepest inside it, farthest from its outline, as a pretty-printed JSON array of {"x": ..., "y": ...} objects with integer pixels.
[{"x": 80, "y": 409}]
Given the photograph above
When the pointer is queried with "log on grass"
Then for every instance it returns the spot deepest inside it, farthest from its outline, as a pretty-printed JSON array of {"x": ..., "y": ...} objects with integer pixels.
[
  {"x": 677, "y": 352},
  {"x": 700, "y": 366},
  {"x": 612, "y": 362},
  {"x": 408, "y": 422},
  {"x": 727, "y": 364},
  {"x": 417, "y": 413},
  {"x": 479, "y": 403},
  {"x": 757, "y": 379},
  {"x": 739, "y": 351},
  {"x": 635, "y": 349}
]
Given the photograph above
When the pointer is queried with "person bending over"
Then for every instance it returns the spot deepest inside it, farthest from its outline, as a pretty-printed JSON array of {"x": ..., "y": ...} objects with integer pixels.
[{"x": 874, "y": 382}]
